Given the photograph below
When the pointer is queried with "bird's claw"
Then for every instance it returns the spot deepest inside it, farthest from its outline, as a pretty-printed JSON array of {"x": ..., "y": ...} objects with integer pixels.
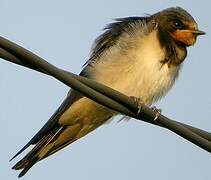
[
  {"x": 138, "y": 102},
  {"x": 157, "y": 111}
]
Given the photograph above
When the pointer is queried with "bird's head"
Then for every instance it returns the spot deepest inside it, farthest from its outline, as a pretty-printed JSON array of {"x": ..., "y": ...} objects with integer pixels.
[{"x": 179, "y": 24}]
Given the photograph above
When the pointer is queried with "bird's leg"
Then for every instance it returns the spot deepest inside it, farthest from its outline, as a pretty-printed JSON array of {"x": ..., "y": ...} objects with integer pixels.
[
  {"x": 138, "y": 102},
  {"x": 157, "y": 111}
]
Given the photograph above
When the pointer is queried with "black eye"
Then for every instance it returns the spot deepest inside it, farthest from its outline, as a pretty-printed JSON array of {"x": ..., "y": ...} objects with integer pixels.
[{"x": 178, "y": 24}]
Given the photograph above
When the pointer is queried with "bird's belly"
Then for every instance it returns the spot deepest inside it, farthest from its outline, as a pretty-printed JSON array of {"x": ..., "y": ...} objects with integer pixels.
[{"x": 148, "y": 84}]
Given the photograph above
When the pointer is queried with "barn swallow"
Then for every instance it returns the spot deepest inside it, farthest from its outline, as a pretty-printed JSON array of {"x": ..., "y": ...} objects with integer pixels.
[{"x": 138, "y": 56}]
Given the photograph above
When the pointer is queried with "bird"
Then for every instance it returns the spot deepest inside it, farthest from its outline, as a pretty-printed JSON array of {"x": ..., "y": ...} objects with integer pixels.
[{"x": 137, "y": 56}]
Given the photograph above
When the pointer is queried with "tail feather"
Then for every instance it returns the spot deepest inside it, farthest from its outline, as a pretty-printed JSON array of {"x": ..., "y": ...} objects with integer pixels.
[
  {"x": 28, "y": 166},
  {"x": 24, "y": 161},
  {"x": 58, "y": 138},
  {"x": 34, "y": 155}
]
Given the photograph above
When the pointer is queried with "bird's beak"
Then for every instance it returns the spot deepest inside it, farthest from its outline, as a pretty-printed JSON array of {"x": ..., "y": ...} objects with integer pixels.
[
  {"x": 187, "y": 36},
  {"x": 198, "y": 32}
]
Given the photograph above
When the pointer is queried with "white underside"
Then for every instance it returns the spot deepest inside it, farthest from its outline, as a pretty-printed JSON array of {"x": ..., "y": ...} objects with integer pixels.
[{"x": 139, "y": 73}]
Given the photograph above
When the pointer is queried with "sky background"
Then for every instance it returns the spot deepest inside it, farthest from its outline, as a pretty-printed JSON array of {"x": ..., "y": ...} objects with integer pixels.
[{"x": 62, "y": 32}]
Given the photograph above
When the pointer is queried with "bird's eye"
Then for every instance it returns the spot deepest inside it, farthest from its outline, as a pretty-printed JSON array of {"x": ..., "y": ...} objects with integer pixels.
[{"x": 178, "y": 24}]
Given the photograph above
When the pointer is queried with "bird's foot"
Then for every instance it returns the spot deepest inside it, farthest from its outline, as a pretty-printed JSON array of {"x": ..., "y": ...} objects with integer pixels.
[
  {"x": 157, "y": 111},
  {"x": 139, "y": 103}
]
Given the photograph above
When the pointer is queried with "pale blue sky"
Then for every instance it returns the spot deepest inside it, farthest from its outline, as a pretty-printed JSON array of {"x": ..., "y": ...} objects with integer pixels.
[{"x": 62, "y": 32}]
